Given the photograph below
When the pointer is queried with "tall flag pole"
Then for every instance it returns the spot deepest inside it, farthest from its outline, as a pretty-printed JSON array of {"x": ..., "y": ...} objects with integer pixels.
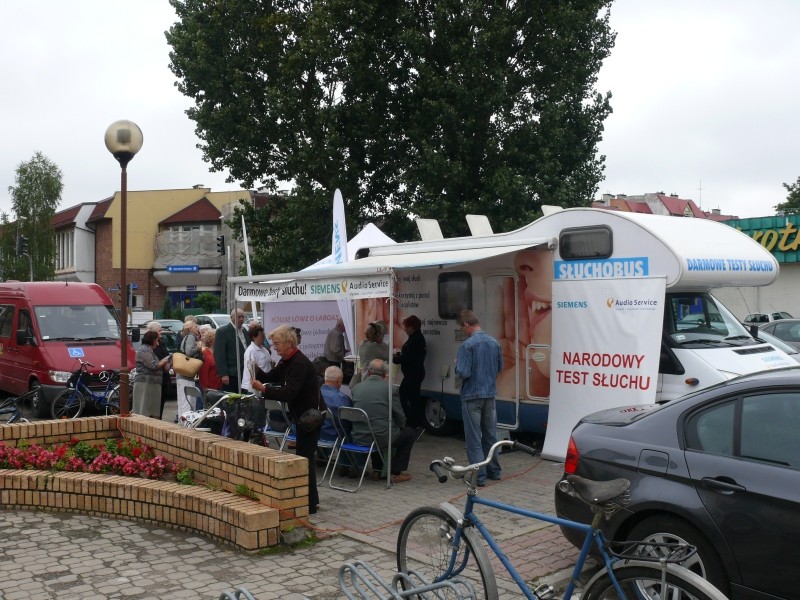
[{"x": 247, "y": 262}]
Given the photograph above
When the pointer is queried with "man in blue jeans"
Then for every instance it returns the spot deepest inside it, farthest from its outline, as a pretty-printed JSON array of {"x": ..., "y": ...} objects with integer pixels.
[{"x": 478, "y": 363}]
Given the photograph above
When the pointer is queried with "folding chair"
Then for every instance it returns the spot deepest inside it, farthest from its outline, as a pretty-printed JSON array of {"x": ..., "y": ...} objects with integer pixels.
[
  {"x": 283, "y": 431},
  {"x": 331, "y": 445},
  {"x": 354, "y": 415},
  {"x": 193, "y": 393}
]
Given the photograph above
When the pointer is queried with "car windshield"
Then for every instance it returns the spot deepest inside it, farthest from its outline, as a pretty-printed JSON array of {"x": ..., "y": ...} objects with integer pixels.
[
  {"x": 90, "y": 322},
  {"x": 696, "y": 319}
]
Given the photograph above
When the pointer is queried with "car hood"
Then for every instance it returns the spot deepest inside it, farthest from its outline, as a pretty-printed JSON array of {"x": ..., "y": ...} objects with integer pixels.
[{"x": 743, "y": 360}]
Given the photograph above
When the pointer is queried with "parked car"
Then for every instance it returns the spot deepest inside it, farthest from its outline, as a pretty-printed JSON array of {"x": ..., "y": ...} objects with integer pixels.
[
  {"x": 787, "y": 330},
  {"x": 173, "y": 325},
  {"x": 761, "y": 318},
  {"x": 719, "y": 469},
  {"x": 779, "y": 344},
  {"x": 215, "y": 320}
]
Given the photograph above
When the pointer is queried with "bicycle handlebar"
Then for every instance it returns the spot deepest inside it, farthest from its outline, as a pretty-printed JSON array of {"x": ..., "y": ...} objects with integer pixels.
[{"x": 445, "y": 466}]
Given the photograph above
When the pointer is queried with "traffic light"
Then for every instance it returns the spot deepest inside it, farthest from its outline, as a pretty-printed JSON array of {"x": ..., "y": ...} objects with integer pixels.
[
  {"x": 22, "y": 245},
  {"x": 221, "y": 244}
]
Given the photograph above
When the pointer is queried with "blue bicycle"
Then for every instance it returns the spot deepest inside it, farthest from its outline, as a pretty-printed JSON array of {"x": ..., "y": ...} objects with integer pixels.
[
  {"x": 11, "y": 408},
  {"x": 443, "y": 543},
  {"x": 70, "y": 403}
]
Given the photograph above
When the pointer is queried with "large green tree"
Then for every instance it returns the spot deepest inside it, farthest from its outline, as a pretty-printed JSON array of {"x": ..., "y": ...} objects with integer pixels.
[
  {"x": 431, "y": 108},
  {"x": 34, "y": 200},
  {"x": 792, "y": 204}
]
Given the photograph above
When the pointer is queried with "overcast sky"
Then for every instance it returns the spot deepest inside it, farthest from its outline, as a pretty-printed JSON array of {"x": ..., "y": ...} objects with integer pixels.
[{"x": 705, "y": 96}]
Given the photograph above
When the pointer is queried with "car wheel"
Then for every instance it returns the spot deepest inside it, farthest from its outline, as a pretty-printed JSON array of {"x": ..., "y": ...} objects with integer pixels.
[
  {"x": 706, "y": 563},
  {"x": 436, "y": 421}
]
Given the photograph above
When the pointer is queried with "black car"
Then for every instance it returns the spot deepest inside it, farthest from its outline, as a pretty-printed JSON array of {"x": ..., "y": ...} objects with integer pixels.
[{"x": 719, "y": 469}]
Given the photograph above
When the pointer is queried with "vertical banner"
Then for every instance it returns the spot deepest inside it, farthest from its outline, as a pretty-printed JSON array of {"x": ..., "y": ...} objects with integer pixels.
[
  {"x": 605, "y": 350},
  {"x": 249, "y": 269},
  {"x": 339, "y": 253}
]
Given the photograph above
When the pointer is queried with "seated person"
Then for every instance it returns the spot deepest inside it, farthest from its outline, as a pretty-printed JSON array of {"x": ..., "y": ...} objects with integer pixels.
[
  {"x": 372, "y": 396},
  {"x": 334, "y": 398}
]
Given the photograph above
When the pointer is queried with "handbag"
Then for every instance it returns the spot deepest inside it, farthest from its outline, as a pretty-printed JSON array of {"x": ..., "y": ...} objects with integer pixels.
[
  {"x": 313, "y": 418},
  {"x": 185, "y": 366}
]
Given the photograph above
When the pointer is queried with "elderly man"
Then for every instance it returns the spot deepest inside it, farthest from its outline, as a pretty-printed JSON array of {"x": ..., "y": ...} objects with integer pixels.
[
  {"x": 372, "y": 395},
  {"x": 334, "y": 398},
  {"x": 229, "y": 346}
]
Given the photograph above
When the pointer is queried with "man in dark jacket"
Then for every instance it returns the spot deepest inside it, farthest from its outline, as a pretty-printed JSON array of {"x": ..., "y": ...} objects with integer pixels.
[{"x": 229, "y": 346}]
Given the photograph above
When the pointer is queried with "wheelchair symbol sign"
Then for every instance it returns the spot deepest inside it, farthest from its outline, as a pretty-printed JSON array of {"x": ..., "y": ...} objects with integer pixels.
[{"x": 75, "y": 352}]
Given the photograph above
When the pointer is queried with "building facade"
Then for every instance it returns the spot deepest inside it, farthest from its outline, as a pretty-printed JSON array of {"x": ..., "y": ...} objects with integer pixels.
[{"x": 171, "y": 244}]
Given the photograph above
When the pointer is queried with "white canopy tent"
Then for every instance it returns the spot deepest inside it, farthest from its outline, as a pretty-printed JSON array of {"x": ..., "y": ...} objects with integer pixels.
[
  {"x": 371, "y": 277},
  {"x": 369, "y": 236}
]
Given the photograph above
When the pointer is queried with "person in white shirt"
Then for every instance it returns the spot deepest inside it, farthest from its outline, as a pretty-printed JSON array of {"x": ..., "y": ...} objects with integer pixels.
[{"x": 256, "y": 356}]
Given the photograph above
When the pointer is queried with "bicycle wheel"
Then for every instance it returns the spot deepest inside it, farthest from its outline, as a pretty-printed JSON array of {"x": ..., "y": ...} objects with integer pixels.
[
  {"x": 424, "y": 545},
  {"x": 642, "y": 581},
  {"x": 68, "y": 404},
  {"x": 112, "y": 401},
  {"x": 8, "y": 411}
]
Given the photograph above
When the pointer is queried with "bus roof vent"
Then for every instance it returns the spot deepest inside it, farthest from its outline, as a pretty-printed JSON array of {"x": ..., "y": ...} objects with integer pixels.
[
  {"x": 429, "y": 229},
  {"x": 479, "y": 225}
]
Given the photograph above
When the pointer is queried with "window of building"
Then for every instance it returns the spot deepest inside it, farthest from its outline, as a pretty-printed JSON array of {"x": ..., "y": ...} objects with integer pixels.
[{"x": 65, "y": 250}]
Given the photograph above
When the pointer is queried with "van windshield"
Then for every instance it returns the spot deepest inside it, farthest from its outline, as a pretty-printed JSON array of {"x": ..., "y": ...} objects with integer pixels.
[
  {"x": 696, "y": 319},
  {"x": 90, "y": 322}
]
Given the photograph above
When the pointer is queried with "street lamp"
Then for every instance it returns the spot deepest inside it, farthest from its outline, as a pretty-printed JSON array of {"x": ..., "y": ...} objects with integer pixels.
[{"x": 124, "y": 139}]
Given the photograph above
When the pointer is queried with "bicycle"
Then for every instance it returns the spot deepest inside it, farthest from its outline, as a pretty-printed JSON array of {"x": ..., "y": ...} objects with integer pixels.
[
  {"x": 11, "y": 407},
  {"x": 70, "y": 403},
  {"x": 242, "y": 416},
  {"x": 442, "y": 543}
]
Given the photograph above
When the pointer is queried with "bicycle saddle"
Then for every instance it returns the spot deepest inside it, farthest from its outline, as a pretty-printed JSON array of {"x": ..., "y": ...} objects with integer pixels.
[
  {"x": 597, "y": 492},
  {"x": 213, "y": 395}
]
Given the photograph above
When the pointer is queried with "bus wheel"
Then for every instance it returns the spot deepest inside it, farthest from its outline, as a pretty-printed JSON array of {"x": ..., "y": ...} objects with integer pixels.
[{"x": 436, "y": 419}]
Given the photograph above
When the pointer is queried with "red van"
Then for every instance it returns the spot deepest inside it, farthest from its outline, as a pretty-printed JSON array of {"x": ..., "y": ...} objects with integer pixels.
[{"x": 45, "y": 327}]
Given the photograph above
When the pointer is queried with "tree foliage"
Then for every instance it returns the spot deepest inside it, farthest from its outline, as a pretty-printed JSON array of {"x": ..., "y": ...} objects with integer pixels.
[
  {"x": 34, "y": 200},
  {"x": 792, "y": 204},
  {"x": 430, "y": 108}
]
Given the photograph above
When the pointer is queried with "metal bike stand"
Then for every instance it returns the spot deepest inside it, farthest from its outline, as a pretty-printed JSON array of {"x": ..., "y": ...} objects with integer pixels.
[{"x": 359, "y": 577}]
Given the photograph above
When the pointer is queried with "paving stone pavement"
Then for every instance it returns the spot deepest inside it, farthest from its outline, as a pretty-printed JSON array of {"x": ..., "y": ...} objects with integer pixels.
[{"x": 46, "y": 555}]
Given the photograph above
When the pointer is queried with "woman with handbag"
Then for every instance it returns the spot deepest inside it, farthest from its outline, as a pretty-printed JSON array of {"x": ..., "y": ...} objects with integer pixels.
[
  {"x": 147, "y": 381},
  {"x": 189, "y": 347},
  {"x": 299, "y": 388}
]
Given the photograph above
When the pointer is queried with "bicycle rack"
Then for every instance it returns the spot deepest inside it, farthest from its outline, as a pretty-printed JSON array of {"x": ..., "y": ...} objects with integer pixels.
[
  {"x": 360, "y": 577},
  {"x": 238, "y": 594}
]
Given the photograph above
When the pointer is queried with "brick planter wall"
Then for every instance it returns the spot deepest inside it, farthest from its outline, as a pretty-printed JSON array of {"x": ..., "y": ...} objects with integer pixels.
[{"x": 279, "y": 481}]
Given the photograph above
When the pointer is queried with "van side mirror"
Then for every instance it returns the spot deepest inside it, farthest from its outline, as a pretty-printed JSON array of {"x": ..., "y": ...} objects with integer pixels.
[
  {"x": 135, "y": 334},
  {"x": 753, "y": 330},
  {"x": 25, "y": 338}
]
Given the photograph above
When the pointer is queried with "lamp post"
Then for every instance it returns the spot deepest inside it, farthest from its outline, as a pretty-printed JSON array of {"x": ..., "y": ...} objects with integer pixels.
[{"x": 123, "y": 139}]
